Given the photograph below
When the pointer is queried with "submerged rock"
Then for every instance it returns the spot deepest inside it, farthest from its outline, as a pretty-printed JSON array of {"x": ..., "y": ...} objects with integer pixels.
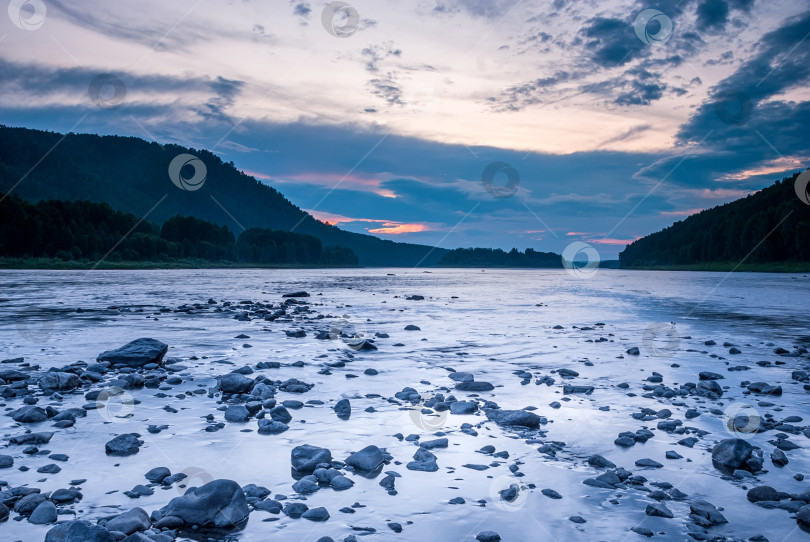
[
  {"x": 58, "y": 381},
  {"x": 124, "y": 445},
  {"x": 343, "y": 409},
  {"x": 734, "y": 453},
  {"x": 367, "y": 459},
  {"x": 507, "y": 418},
  {"x": 220, "y": 504},
  {"x": 78, "y": 531},
  {"x": 136, "y": 354},
  {"x": 306, "y": 458}
]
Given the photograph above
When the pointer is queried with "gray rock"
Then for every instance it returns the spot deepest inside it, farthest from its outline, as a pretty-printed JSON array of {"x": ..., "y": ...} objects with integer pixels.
[
  {"x": 802, "y": 517},
  {"x": 708, "y": 512},
  {"x": 235, "y": 383},
  {"x": 237, "y": 413},
  {"x": 6, "y": 461},
  {"x": 474, "y": 386},
  {"x": 340, "y": 483},
  {"x": 732, "y": 454},
  {"x": 32, "y": 438},
  {"x": 272, "y": 427},
  {"x": 463, "y": 407},
  {"x": 29, "y": 414},
  {"x": 508, "y": 418},
  {"x": 423, "y": 461},
  {"x": 306, "y": 457},
  {"x": 129, "y": 522},
  {"x": 158, "y": 474},
  {"x": 488, "y": 536},
  {"x": 219, "y": 504},
  {"x": 316, "y": 514},
  {"x": 367, "y": 459},
  {"x": 124, "y": 445},
  {"x": 762, "y": 493},
  {"x": 343, "y": 409},
  {"x": 599, "y": 462},
  {"x": 659, "y": 510},
  {"x": 779, "y": 458},
  {"x": 78, "y": 531},
  {"x": 28, "y": 504},
  {"x": 57, "y": 381},
  {"x": 136, "y": 354},
  {"x": 43, "y": 514}
]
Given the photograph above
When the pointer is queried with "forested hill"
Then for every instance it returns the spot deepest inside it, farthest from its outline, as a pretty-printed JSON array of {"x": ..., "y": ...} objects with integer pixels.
[
  {"x": 131, "y": 175},
  {"x": 771, "y": 226}
]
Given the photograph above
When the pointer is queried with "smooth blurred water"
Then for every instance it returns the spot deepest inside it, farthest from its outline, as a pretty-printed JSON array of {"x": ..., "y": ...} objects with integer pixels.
[{"x": 490, "y": 323}]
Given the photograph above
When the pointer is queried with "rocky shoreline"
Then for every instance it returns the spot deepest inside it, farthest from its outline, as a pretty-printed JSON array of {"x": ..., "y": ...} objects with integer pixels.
[{"x": 43, "y": 404}]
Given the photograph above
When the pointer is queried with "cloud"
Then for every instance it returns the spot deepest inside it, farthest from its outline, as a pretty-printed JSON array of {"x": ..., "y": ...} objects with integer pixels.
[
  {"x": 489, "y": 9},
  {"x": 301, "y": 9}
]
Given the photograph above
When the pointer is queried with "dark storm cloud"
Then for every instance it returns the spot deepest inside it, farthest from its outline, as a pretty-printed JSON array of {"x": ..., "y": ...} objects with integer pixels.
[
  {"x": 712, "y": 14},
  {"x": 774, "y": 127},
  {"x": 612, "y": 42}
]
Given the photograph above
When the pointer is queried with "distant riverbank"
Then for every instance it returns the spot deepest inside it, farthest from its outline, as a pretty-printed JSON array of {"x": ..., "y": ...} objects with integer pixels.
[
  {"x": 770, "y": 267},
  {"x": 56, "y": 264}
]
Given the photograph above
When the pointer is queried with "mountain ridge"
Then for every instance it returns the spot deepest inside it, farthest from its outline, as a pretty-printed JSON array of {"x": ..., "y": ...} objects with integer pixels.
[{"x": 132, "y": 175}]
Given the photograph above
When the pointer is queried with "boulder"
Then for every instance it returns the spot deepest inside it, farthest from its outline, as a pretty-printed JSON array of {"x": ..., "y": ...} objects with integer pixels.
[
  {"x": 514, "y": 417},
  {"x": 343, "y": 409},
  {"x": 78, "y": 531},
  {"x": 802, "y": 517},
  {"x": 731, "y": 454},
  {"x": 220, "y": 504},
  {"x": 29, "y": 414},
  {"x": 58, "y": 381},
  {"x": 235, "y": 383},
  {"x": 130, "y": 522},
  {"x": 32, "y": 438},
  {"x": 136, "y": 354},
  {"x": 762, "y": 493},
  {"x": 367, "y": 459},
  {"x": 306, "y": 457},
  {"x": 124, "y": 445},
  {"x": 474, "y": 386}
]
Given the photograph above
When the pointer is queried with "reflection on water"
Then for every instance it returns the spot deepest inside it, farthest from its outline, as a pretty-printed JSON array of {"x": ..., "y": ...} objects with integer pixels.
[{"x": 501, "y": 326}]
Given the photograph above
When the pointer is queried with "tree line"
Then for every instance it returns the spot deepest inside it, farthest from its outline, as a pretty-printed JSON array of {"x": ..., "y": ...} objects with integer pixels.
[
  {"x": 83, "y": 230},
  {"x": 771, "y": 226},
  {"x": 495, "y": 257}
]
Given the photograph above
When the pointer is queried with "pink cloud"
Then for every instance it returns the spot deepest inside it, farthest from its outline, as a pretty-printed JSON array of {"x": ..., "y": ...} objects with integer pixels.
[
  {"x": 618, "y": 242},
  {"x": 687, "y": 212}
]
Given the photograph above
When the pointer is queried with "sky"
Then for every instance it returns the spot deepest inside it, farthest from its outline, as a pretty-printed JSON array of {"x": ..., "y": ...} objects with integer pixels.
[{"x": 456, "y": 123}]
